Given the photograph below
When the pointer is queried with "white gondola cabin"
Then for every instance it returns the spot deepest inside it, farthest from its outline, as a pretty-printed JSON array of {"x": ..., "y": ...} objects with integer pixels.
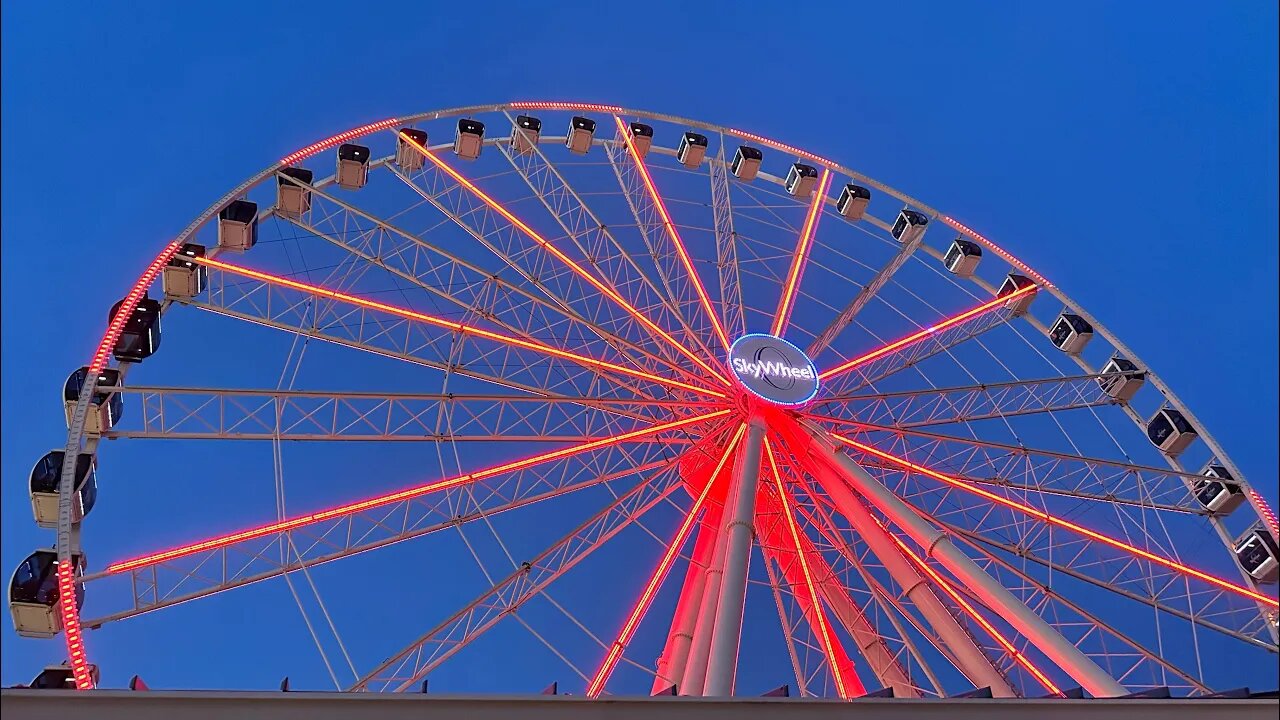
[
  {"x": 1217, "y": 491},
  {"x": 183, "y": 276},
  {"x": 409, "y": 157},
  {"x": 353, "y": 166},
  {"x": 853, "y": 201},
  {"x": 238, "y": 222},
  {"x": 1257, "y": 553},
  {"x": 909, "y": 227},
  {"x": 1170, "y": 431},
  {"x": 962, "y": 257},
  {"x": 525, "y": 133},
  {"x": 641, "y": 137},
  {"x": 469, "y": 139},
  {"x": 292, "y": 199},
  {"x": 140, "y": 337},
  {"x": 800, "y": 180},
  {"x": 1070, "y": 333},
  {"x": 1123, "y": 380},
  {"x": 746, "y": 163},
  {"x": 46, "y": 477},
  {"x": 33, "y": 594},
  {"x": 1012, "y": 284},
  {"x": 104, "y": 407},
  {"x": 691, "y": 150},
  {"x": 582, "y": 131},
  {"x": 61, "y": 677}
]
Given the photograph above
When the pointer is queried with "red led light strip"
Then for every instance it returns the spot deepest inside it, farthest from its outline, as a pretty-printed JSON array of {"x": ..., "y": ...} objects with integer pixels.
[
  {"x": 820, "y": 616},
  {"x": 672, "y": 233},
  {"x": 71, "y": 627},
  {"x": 932, "y": 329},
  {"x": 559, "y": 254},
  {"x": 409, "y": 494},
  {"x": 1046, "y": 517},
  {"x": 659, "y": 575},
  {"x": 807, "y": 231},
  {"x": 352, "y": 134},
  {"x": 585, "y": 107},
  {"x": 454, "y": 326},
  {"x": 962, "y": 228},
  {"x": 1265, "y": 509},
  {"x": 780, "y": 146},
  {"x": 101, "y": 358}
]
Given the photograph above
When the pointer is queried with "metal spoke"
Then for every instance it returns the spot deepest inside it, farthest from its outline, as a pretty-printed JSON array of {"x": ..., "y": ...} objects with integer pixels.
[{"x": 406, "y": 667}]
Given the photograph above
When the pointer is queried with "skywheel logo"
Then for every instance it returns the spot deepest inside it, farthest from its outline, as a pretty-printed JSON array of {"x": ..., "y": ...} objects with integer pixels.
[{"x": 773, "y": 369}]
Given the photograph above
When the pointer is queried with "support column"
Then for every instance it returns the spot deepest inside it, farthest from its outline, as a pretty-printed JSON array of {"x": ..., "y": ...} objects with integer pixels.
[
  {"x": 970, "y": 658},
  {"x": 939, "y": 546},
  {"x": 695, "y": 666},
  {"x": 671, "y": 662},
  {"x": 722, "y": 660}
]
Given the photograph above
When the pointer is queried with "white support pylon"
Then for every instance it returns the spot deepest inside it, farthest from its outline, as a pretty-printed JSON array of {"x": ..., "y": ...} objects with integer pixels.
[
  {"x": 938, "y": 545},
  {"x": 740, "y": 511}
]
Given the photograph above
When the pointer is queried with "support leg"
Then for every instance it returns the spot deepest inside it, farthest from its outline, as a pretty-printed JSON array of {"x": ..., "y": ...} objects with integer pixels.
[{"x": 723, "y": 656}]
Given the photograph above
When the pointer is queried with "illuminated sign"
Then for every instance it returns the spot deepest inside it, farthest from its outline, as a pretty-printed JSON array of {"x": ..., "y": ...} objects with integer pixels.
[{"x": 773, "y": 369}]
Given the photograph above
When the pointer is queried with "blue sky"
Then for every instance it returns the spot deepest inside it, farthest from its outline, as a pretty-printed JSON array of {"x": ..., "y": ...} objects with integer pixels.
[{"x": 1138, "y": 141}]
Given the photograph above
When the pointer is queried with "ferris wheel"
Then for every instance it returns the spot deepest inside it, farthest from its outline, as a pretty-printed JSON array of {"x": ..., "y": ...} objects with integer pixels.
[{"x": 679, "y": 406}]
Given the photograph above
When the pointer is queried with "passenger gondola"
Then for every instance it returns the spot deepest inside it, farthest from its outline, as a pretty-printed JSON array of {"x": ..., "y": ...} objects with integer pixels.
[
  {"x": 104, "y": 407},
  {"x": 1012, "y": 284},
  {"x": 525, "y": 134},
  {"x": 962, "y": 257},
  {"x": 140, "y": 336},
  {"x": 238, "y": 221},
  {"x": 183, "y": 276},
  {"x": 292, "y": 199},
  {"x": 1123, "y": 380},
  {"x": 800, "y": 180},
  {"x": 641, "y": 137},
  {"x": 909, "y": 226},
  {"x": 469, "y": 139},
  {"x": 409, "y": 157},
  {"x": 746, "y": 163},
  {"x": 46, "y": 477},
  {"x": 353, "y": 166},
  {"x": 692, "y": 148},
  {"x": 1070, "y": 333},
  {"x": 853, "y": 201},
  {"x": 1257, "y": 554},
  {"x": 33, "y": 594},
  {"x": 1170, "y": 431},
  {"x": 582, "y": 131},
  {"x": 1217, "y": 491}
]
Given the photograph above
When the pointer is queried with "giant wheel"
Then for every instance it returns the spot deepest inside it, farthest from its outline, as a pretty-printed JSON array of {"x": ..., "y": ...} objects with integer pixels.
[{"x": 685, "y": 340}]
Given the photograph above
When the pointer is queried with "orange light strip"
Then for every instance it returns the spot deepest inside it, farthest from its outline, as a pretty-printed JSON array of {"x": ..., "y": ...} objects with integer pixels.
[
  {"x": 560, "y": 255},
  {"x": 327, "y": 143},
  {"x": 969, "y": 609},
  {"x": 1046, "y": 517},
  {"x": 807, "y": 231},
  {"x": 659, "y": 575},
  {"x": 674, "y": 234},
  {"x": 926, "y": 332},
  {"x": 451, "y": 325},
  {"x": 820, "y": 615},
  {"x": 558, "y": 105},
  {"x": 965, "y": 229},
  {"x": 780, "y": 146},
  {"x": 409, "y": 494}
]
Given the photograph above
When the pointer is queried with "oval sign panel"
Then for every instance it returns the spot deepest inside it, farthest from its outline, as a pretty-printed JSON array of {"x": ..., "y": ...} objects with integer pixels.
[{"x": 773, "y": 369}]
